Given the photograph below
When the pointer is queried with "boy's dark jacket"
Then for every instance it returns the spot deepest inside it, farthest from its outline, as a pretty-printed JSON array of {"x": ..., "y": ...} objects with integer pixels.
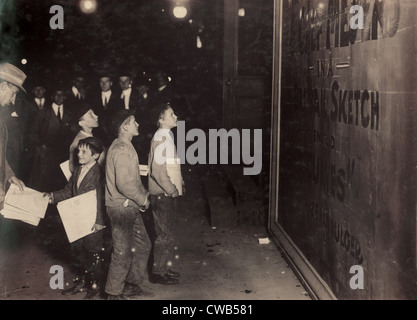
[{"x": 94, "y": 179}]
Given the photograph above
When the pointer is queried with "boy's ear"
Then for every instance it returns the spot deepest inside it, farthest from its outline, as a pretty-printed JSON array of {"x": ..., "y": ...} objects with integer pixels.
[{"x": 96, "y": 156}]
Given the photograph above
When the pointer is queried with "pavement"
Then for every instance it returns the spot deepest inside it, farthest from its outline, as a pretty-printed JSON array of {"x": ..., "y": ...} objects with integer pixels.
[{"x": 215, "y": 262}]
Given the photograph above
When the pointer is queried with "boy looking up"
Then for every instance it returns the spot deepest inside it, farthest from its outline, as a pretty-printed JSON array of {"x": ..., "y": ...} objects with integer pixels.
[
  {"x": 87, "y": 120},
  {"x": 163, "y": 193},
  {"x": 126, "y": 197}
]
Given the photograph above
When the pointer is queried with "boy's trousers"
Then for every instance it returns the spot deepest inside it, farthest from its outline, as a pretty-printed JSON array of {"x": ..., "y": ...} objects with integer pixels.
[
  {"x": 164, "y": 210},
  {"x": 86, "y": 258},
  {"x": 131, "y": 248}
]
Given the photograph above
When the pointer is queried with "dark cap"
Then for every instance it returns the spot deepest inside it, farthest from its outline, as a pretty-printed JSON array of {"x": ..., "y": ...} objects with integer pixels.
[
  {"x": 118, "y": 117},
  {"x": 81, "y": 110}
]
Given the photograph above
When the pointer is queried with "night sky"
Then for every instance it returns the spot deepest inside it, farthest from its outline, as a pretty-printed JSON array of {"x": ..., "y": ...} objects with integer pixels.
[
  {"x": 128, "y": 33},
  {"x": 133, "y": 36}
]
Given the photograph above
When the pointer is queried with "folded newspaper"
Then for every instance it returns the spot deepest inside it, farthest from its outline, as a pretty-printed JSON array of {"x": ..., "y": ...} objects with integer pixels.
[
  {"x": 28, "y": 205},
  {"x": 78, "y": 215}
]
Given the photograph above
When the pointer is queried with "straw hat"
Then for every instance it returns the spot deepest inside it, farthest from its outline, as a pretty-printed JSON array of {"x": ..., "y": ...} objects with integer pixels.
[{"x": 12, "y": 74}]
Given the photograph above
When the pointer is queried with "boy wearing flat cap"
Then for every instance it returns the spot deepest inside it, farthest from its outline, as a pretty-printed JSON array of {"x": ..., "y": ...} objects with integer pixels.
[
  {"x": 125, "y": 198},
  {"x": 87, "y": 121},
  {"x": 11, "y": 80}
]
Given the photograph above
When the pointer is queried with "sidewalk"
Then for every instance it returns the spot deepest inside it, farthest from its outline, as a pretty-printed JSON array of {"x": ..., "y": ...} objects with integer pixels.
[{"x": 223, "y": 263}]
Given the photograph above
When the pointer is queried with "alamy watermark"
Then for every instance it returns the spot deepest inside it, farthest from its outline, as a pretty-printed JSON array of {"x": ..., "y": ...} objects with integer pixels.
[
  {"x": 357, "y": 21},
  {"x": 357, "y": 281},
  {"x": 57, "y": 280},
  {"x": 218, "y": 147},
  {"x": 57, "y": 20}
]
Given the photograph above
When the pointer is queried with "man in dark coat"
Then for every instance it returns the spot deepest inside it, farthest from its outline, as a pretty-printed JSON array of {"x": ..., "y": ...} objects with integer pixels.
[
  {"x": 51, "y": 135},
  {"x": 11, "y": 81},
  {"x": 129, "y": 97},
  {"x": 104, "y": 103}
]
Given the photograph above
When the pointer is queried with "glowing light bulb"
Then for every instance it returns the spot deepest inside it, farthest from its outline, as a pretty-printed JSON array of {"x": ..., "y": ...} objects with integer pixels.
[
  {"x": 199, "y": 43},
  {"x": 88, "y": 6},
  {"x": 180, "y": 12}
]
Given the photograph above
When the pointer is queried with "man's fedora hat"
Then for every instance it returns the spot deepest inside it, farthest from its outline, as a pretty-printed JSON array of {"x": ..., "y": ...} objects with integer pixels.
[{"x": 12, "y": 74}]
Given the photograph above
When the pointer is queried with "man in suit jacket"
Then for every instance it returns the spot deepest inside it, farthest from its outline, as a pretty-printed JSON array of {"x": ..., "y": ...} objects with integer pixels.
[
  {"x": 38, "y": 94},
  {"x": 51, "y": 134},
  {"x": 104, "y": 104},
  {"x": 78, "y": 92},
  {"x": 86, "y": 252},
  {"x": 163, "y": 92},
  {"x": 11, "y": 81},
  {"x": 17, "y": 117},
  {"x": 129, "y": 97}
]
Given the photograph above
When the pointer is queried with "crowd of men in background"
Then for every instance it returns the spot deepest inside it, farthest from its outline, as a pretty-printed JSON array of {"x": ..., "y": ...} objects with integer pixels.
[
  {"x": 43, "y": 123},
  {"x": 48, "y": 125}
]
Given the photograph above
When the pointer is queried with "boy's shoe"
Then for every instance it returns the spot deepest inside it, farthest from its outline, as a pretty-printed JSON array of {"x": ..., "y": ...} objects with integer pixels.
[
  {"x": 162, "y": 279},
  {"x": 79, "y": 287},
  {"x": 132, "y": 290},
  {"x": 173, "y": 274},
  {"x": 93, "y": 294},
  {"x": 116, "y": 297}
]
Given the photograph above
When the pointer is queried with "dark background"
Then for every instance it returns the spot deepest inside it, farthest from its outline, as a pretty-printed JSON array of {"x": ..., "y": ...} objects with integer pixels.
[{"x": 130, "y": 35}]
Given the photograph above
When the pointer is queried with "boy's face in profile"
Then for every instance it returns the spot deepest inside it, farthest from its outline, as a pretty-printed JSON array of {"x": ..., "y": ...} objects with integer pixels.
[
  {"x": 168, "y": 119},
  {"x": 85, "y": 155},
  {"x": 131, "y": 126},
  {"x": 90, "y": 119}
]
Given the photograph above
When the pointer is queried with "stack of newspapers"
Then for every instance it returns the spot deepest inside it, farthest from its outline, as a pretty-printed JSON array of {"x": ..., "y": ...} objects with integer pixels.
[
  {"x": 78, "y": 214},
  {"x": 28, "y": 205}
]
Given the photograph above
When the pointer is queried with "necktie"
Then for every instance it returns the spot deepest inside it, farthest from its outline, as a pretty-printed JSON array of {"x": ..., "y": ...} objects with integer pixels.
[
  {"x": 105, "y": 102},
  {"x": 59, "y": 115}
]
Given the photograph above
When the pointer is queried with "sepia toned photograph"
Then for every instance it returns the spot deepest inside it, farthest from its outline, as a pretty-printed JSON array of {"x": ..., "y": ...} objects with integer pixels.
[{"x": 208, "y": 155}]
